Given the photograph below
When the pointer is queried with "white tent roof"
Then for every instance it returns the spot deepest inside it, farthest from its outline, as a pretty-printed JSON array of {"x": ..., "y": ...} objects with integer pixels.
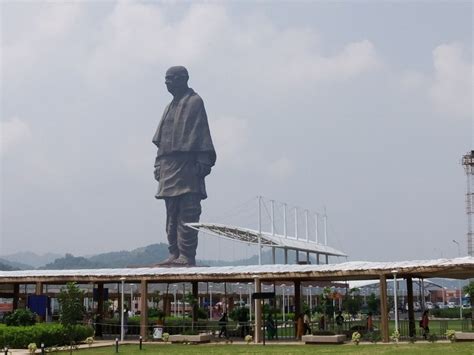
[{"x": 267, "y": 239}]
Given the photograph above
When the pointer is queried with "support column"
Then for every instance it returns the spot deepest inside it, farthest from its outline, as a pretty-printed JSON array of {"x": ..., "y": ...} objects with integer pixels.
[
  {"x": 39, "y": 288},
  {"x": 258, "y": 313},
  {"x": 383, "y": 309},
  {"x": 195, "y": 296},
  {"x": 297, "y": 285},
  {"x": 411, "y": 312},
  {"x": 144, "y": 310},
  {"x": 297, "y": 256},
  {"x": 100, "y": 309},
  {"x": 327, "y": 259},
  {"x": 273, "y": 256},
  {"x": 16, "y": 296},
  {"x": 307, "y": 257},
  {"x": 38, "y": 292},
  {"x": 286, "y": 256},
  {"x": 317, "y": 258}
]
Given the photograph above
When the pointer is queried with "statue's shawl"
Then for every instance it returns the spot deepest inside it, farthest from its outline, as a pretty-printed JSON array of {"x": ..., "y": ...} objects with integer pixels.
[{"x": 190, "y": 129}]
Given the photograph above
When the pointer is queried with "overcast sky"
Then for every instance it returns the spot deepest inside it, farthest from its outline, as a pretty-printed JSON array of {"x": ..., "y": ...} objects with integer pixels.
[{"x": 364, "y": 108}]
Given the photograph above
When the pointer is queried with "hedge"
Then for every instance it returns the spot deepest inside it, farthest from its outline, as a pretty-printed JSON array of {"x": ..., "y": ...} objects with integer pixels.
[
  {"x": 450, "y": 313},
  {"x": 48, "y": 334}
]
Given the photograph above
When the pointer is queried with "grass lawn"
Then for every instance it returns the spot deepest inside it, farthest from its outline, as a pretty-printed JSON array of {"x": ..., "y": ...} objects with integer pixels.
[{"x": 405, "y": 349}]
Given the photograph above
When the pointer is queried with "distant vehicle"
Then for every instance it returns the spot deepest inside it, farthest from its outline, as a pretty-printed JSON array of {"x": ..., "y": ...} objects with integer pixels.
[
  {"x": 466, "y": 306},
  {"x": 451, "y": 305},
  {"x": 440, "y": 305},
  {"x": 429, "y": 305}
]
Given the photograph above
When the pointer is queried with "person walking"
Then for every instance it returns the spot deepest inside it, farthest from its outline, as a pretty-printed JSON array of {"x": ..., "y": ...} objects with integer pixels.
[
  {"x": 424, "y": 324},
  {"x": 223, "y": 324}
]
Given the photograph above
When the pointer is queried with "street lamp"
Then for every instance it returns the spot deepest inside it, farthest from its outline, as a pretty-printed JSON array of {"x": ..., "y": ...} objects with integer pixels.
[
  {"x": 460, "y": 287},
  {"x": 131, "y": 297},
  {"x": 175, "y": 287},
  {"x": 249, "y": 289},
  {"x": 122, "y": 329},
  {"x": 283, "y": 300},
  {"x": 394, "y": 272},
  {"x": 210, "y": 302}
]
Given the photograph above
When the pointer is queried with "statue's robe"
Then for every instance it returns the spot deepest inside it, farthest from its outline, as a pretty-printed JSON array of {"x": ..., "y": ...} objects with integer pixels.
[{"x": 185, "y": 149}]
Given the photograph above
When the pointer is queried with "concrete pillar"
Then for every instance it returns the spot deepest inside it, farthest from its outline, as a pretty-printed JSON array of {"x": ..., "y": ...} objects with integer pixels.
[
  {"x": 144, "y": 309},
  {"x": 273, "y": 256},
  {"x": 100, "y": 300},
  {"x": 194, "y": 285},
  {"x": 286, "y": 256},
  {"x": 327, "y": 259},
  {"x": 16, "y": 296},
  {"x": 411, "y": 312},
  {"x": 317, "y": 258},
  {"x": 307, "y": 257},
  {"x": 297, "y": 256},
  {"x": 258, "y": 313},
  {"x": 383, "y": 309}
]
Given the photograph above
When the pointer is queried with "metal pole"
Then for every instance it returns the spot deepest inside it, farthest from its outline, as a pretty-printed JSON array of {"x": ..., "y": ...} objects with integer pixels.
[
  {"x": 317, "y": 227},
  {"x": 210, "y": 302},
  {"x": 249, "y": 289},
  {"x": 395, "y": 305},
  {"x": 296, "y": 223},
  {"x": 122, "y": 329},
  {"x": 310, "y": 301},
  {"x": 174, "y": 296},
  {"x": 460, "y": 287},
  {"x": 272, "y": 207},
  {"x": 306, "y": 225},
  {"x": 325, "y": 227},
  {"x": 283, "y": 299},
  {"x": 259, "y": 230}
]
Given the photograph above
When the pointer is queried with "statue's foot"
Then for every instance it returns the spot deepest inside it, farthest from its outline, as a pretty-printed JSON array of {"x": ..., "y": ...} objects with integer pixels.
[
  {"x": 183, "y": 261},
  {"x": 169, "y": 261}
]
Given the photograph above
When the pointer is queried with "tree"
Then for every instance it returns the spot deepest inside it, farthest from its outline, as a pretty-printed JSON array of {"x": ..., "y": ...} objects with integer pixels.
[
  {"x": 71, "y": 309},
  {"x": 353, "y": 302},
  {"x": 373, "y": 304},
  {"x": 469, "y": 289}
]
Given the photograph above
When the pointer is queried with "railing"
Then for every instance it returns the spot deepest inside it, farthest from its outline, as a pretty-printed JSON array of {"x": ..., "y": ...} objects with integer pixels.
[{"x": 285, "y": 330}]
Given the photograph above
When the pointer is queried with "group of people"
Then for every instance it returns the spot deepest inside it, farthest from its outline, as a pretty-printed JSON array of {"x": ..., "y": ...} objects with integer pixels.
[{"x": 303, "y": 324}]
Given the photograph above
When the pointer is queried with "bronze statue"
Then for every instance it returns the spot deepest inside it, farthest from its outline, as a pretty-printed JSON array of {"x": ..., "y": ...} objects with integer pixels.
[{"x": 185, "y": 157}]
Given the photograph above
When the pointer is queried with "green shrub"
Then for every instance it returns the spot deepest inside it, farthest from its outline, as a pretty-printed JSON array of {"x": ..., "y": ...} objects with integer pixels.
[
  {"x": 21, "y": 317},
  {"x": 450, "y": 313},
  {"x": 48, "y": 334}
]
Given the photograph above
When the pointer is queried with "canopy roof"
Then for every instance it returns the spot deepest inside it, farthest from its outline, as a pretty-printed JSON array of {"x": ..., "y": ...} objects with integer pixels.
[
  {"x": 267, "y": 239},
  {"x": 461, "y": 268}
]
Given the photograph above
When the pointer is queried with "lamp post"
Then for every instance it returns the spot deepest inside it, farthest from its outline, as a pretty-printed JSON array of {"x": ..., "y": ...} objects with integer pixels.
[
  {"x": 174, "y": 297},
  {"x": 131, "y": 297},
  {"x": 283, "y": 300},
  {"x": 122, "y": 329},
  {"x": 460, "y": 287},
  {"x": 210, "y": 302},
  {"x": 395, "y": 305},
  {"x": 249, "y": 289}
]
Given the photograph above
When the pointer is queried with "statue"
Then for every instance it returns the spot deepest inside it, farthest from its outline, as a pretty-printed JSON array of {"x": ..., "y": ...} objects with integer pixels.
[{"x": 185, "y": 157}]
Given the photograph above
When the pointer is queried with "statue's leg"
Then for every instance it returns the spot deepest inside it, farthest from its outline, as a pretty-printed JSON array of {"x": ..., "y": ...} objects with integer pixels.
[
  {"x": 172, "y": 211},
  {"x": 189, "y": 212}
]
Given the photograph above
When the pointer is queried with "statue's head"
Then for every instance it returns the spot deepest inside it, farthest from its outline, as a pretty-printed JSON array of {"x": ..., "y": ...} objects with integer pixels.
[{"x": 176, "y": 79}]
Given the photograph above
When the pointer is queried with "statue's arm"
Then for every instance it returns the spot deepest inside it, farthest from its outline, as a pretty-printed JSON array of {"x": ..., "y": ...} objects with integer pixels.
[
  {"x": 204, "y": 163},
  {"x": 157, "y": 168}
]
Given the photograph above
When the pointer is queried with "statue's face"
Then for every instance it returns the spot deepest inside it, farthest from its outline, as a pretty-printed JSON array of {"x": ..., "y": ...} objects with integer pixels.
[{"x": 175, "y": 82}]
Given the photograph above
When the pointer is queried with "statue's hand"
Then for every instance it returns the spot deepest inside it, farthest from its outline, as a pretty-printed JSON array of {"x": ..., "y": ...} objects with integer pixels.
[
  {"x": 157, "y": 173},
  {"x": 203, "y": 169}
]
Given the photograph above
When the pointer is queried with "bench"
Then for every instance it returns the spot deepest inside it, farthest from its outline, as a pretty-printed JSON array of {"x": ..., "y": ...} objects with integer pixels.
[
  {"x": 324, "y": 339},
  {"x": 464, "y": 336}
]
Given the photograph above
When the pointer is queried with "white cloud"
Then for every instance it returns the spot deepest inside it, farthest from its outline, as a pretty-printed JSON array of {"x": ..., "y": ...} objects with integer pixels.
[
  {"x": 231, "y": 137},
  {"x": 136, "y": 37},
  {"x": 35, "y": 37},
  {"x": 452, "y": 91},
  {"x": 13, "y": 133},
  {"x": 280, "y": 169}
]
